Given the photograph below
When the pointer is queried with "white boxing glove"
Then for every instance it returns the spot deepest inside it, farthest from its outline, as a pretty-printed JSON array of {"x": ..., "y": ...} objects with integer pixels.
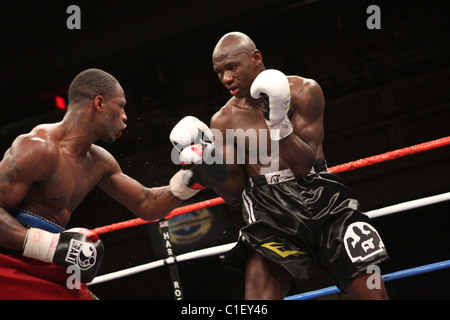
[
  {"x": 202, "y": 164},
  {"x": 189, "y": 131},
  {"x": 273, "y": 86}
]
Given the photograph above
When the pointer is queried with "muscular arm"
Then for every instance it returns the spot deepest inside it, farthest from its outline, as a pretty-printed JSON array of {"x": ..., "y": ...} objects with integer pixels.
[
  {"x": 231, "y": 189},
  {"x": 27, "y": 161},
  {"x": 299, "y": 150},
  {"x": 12, "y": 233},
  {"x": 146, "y": 203}
]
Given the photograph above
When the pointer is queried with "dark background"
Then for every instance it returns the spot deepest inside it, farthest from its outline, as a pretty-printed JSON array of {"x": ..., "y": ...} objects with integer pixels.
[{"x": 385, "y": 89}]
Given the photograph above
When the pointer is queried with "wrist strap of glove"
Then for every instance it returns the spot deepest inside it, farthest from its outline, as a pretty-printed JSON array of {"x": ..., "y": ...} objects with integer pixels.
[
  {"x": 179, "y": 185},
  {"x": 280, "y": 129},
  {"x": 40, "y": 244}
]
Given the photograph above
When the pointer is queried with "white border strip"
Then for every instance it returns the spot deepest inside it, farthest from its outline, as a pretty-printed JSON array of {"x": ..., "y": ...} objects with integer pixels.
[{"x": 226, "y": 247}]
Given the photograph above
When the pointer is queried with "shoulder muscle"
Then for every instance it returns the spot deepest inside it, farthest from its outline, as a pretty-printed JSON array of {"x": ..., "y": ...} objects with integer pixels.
[
  {"x": 221, "y": 119},
  {"x": 106, "y": 159},
  {"x": 32, "y": 155},
  {"x": 307, "y": 97}
]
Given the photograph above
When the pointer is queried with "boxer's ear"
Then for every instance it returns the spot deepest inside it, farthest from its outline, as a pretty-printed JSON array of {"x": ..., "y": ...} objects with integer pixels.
[
  {"x": 257, "y": 57},
  {"x": 99, "y": 103}
]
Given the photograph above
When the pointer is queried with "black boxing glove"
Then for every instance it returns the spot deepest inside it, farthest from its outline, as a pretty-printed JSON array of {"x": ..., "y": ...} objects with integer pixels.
[{"x": 79, "y": 247}]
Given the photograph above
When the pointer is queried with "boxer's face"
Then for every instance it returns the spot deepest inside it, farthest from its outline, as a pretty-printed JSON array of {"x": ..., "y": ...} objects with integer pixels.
[
  {"x": 114, "y": 116},
  {"x": 236, "y": 71}
]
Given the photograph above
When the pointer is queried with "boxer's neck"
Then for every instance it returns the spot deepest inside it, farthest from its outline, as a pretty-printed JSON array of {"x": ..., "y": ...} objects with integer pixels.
[{"x": 77, "y": 134}]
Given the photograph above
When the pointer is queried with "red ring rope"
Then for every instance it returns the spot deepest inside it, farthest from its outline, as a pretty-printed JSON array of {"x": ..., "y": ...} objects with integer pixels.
[
  {"x": 391, "y": 155},
  {"x": 175, "y": 212},
  {"x": 336, "y": 169}
]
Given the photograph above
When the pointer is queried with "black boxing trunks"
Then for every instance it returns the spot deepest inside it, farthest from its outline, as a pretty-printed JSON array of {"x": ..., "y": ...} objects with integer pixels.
[
  {"x": 23, "y": 278},
  {"x": 298, "y": 223}
]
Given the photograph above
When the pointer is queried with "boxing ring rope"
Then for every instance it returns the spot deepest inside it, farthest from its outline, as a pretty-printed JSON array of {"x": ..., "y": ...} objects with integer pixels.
[
  {"x": 226, "y": 247},
  {"x": 176, "y": 212},
  {"x": 353, "y": 165},
  {"x": 203, "y": 253},
  {"x": 386, "y": 278}
]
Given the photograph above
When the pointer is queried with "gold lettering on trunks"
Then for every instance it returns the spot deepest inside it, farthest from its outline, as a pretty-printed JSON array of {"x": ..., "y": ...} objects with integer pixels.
[{"x": 277, "y": 248}]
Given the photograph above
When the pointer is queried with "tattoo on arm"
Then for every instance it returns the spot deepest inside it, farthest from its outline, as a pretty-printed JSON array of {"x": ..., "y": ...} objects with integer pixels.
[
  {"x": 8, "y": 231},
  {"x": 7, "y": 176},
  {"x": 159, "y": 193},
  {"x": 157, "y": 203},
  {"x": 315, "y": 102},
  {"x": 154, "y": 194}
]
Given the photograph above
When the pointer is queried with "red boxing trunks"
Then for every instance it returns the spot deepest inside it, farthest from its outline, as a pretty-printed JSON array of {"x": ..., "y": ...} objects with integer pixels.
[{"x": 29, "y": 279}]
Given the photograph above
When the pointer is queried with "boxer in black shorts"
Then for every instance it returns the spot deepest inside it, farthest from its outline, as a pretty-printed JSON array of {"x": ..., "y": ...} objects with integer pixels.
[
  {"x": 298, "y": 214},
  {"x": 307, "y": 228}
]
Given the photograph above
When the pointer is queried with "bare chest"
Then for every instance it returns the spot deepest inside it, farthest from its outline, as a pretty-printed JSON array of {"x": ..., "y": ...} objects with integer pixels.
[
  {"x": 253, "y": 146},
  {"x": 70, "y": 183}
]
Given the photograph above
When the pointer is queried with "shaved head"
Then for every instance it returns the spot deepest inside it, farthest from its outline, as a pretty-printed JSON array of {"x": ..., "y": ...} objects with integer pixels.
[
  {"x": 231, "y": 44},
  {"x": 237, "y": 62}
]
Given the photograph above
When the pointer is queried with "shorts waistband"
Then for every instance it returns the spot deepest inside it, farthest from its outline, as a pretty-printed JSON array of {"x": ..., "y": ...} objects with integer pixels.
[
  {"x": 32, "y": 220},
  {"x": 271, "y": 178},
  {"x": 285, "y": 175}
]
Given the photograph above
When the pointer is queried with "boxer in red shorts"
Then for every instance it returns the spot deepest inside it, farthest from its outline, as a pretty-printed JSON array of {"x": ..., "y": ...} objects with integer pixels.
[{"x": 47, "y": 172}]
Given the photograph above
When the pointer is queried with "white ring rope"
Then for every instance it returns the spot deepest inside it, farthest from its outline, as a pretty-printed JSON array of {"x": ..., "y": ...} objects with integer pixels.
[
  {"x": 413, "y": 204},
  {"x": 182, "y": 257}
]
